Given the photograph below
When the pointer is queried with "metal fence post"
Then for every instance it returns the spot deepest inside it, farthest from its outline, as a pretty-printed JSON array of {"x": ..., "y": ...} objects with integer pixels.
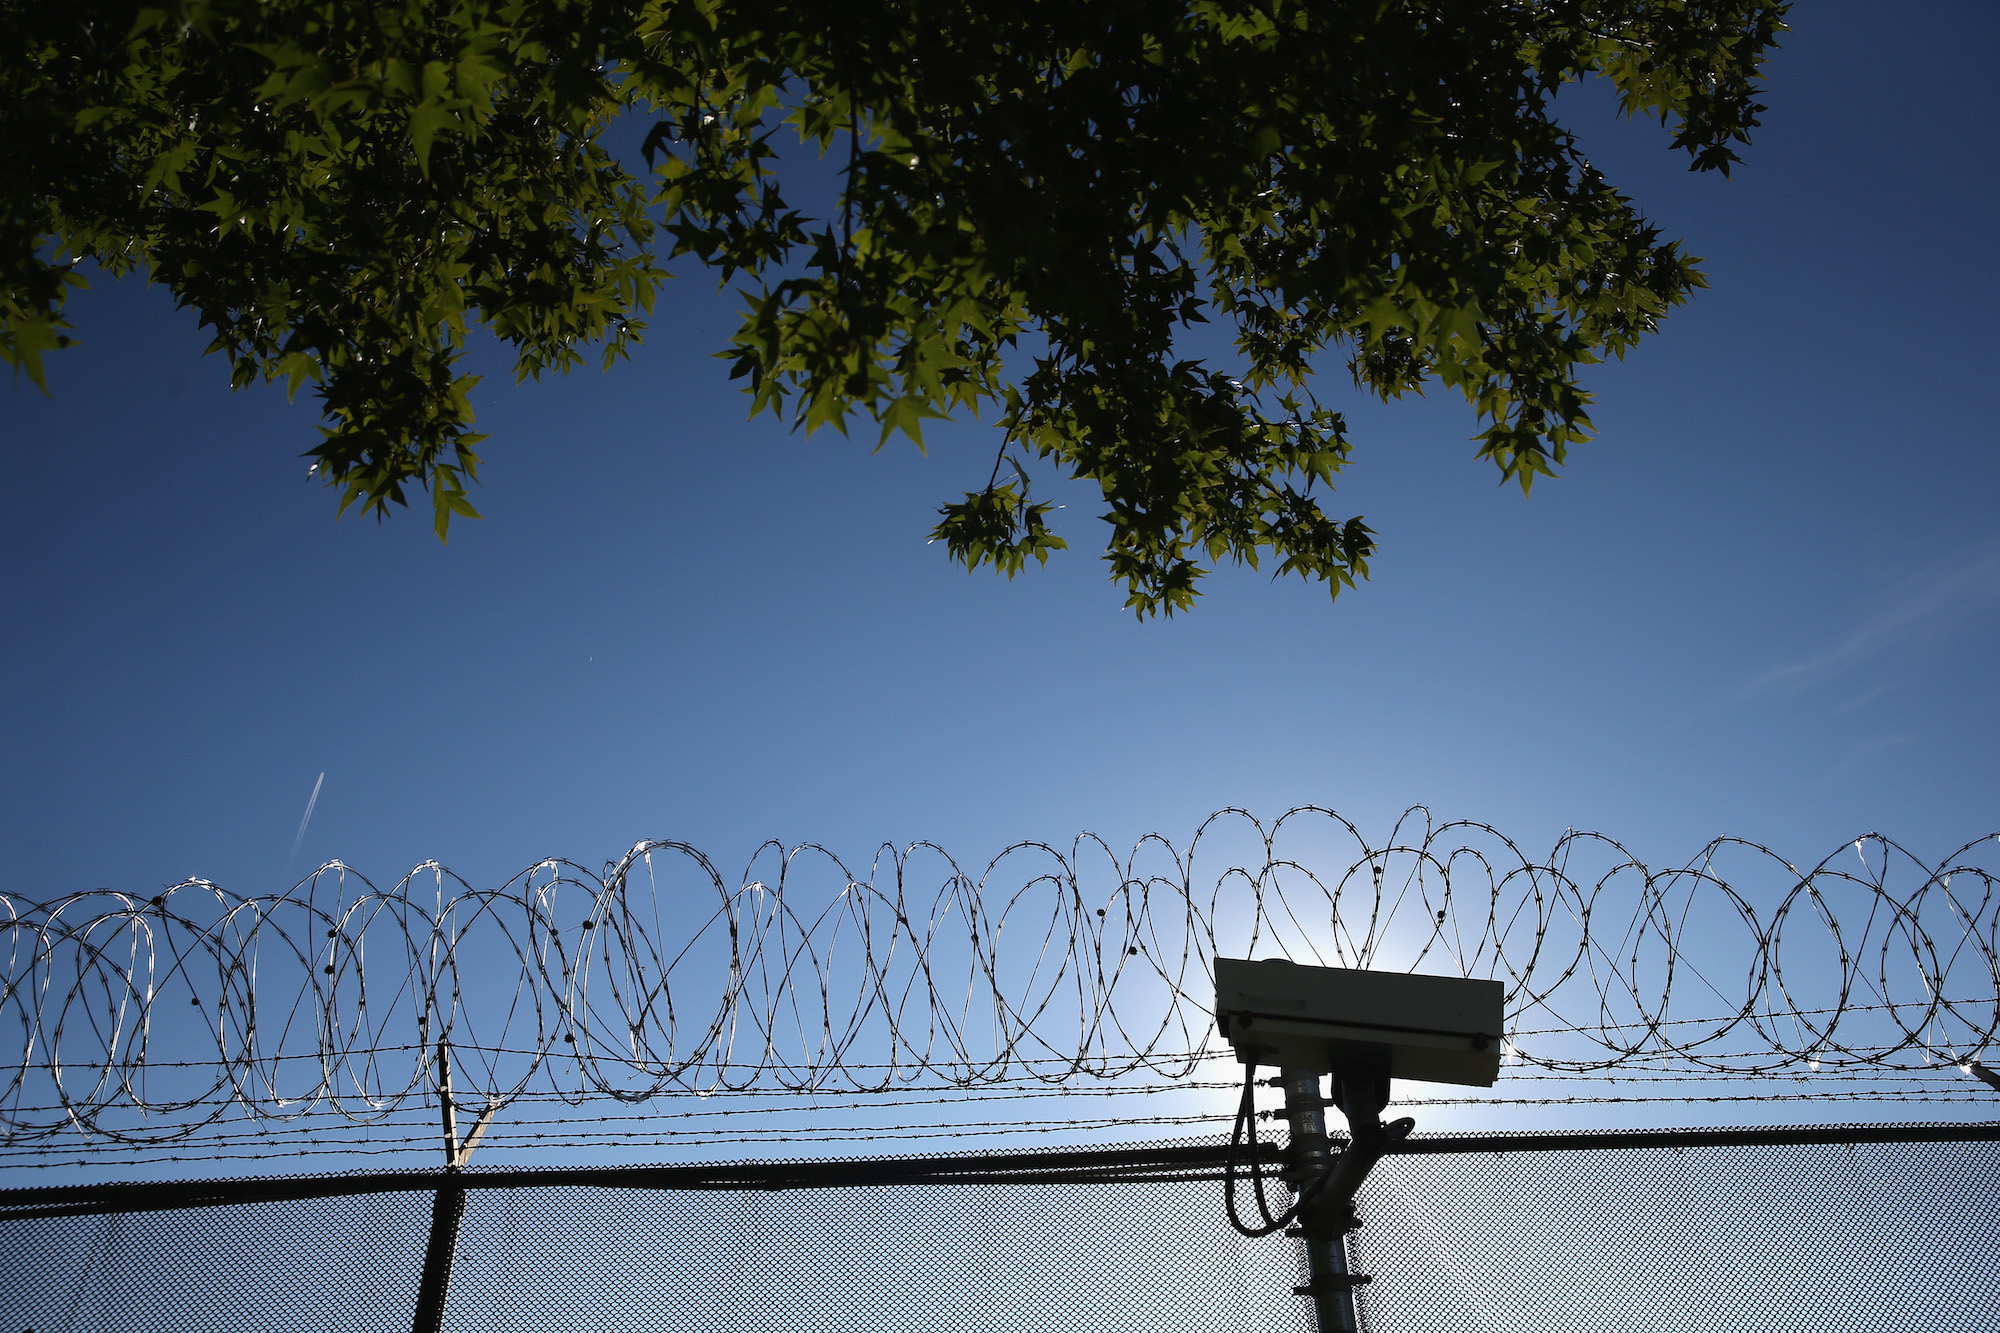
[
  {"x": 447, "y": 1211},
  {"x": 447, "y": 1208}
]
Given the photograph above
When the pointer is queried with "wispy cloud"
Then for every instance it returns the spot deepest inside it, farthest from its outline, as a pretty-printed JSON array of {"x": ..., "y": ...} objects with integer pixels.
[
  {"x": 1923, "y": 607},
  {"x": 1868, "y": 749}
]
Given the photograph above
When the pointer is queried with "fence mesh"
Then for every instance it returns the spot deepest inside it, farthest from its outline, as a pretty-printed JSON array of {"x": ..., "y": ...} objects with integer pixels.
[{"x": 1559, "y": 1233}]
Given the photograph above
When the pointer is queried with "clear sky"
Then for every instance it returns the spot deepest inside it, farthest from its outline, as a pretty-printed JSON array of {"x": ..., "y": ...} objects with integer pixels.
[{"x": 1765, "y": 602}]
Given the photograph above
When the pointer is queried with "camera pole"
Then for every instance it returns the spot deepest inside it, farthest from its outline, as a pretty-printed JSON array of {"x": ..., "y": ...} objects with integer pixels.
[{"x": 1326, "y": 1211}]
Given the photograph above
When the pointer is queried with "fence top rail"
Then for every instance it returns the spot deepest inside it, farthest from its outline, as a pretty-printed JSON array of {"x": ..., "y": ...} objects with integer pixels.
[{"x": 1174, "y": 1161}]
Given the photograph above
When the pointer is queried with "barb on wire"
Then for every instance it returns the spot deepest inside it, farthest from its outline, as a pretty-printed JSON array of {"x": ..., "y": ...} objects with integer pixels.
[{"x": 144, "y": 1019}]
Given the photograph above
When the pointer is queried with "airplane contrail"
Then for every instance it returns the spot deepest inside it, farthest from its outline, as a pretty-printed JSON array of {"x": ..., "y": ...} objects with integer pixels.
[{"x": 311, "y": 801}]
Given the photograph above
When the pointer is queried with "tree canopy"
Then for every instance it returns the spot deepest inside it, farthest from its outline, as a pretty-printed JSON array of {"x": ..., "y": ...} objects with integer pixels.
[{"x": 1034, "y": 201}]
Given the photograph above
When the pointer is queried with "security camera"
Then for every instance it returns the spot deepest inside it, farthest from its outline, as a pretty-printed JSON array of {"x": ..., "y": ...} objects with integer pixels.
[{"x": 1435, "y": 1029}]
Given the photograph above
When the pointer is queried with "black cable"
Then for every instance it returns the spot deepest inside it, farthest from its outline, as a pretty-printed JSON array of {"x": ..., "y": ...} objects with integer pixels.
[{"x": 1246, "y": 1116}]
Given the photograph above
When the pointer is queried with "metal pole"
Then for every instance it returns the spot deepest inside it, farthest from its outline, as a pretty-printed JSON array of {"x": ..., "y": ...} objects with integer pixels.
[
  {"x": 1324, "y": 1218},
  {"x": 447, "y": 1211}
]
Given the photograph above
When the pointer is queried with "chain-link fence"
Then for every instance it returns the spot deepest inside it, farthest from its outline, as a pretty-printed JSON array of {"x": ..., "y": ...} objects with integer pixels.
[{"x": 1848, "y": 1228}]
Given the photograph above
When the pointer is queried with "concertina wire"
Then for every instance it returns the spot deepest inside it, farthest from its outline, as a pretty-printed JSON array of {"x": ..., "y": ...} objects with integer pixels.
[{"x": 143, "y": 1018}]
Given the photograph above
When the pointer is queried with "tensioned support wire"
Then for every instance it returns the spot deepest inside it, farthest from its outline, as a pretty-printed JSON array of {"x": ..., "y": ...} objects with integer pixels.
[
  {"x": 147, "y": 1019},
  {"x": 1184, "y": 1161}
]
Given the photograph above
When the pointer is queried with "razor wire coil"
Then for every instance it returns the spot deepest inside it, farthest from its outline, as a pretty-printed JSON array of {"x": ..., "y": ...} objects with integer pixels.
[{"x": 143, "y": 1020}]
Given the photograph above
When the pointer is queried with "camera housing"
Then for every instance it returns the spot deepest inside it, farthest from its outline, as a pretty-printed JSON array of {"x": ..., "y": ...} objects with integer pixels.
[{"x": 1402, "y": 1024}]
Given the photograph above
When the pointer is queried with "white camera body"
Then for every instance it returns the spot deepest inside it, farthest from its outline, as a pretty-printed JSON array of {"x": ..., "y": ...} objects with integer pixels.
[{"x": 1434, "y": 1029}]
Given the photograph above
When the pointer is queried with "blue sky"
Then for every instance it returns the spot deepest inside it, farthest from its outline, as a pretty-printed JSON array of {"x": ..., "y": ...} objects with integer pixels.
[{"x": 1765, "y": 602}]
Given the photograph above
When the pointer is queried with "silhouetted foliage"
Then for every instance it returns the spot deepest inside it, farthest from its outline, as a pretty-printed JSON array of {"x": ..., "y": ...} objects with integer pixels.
[{"x": 1035, "y": 199}]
